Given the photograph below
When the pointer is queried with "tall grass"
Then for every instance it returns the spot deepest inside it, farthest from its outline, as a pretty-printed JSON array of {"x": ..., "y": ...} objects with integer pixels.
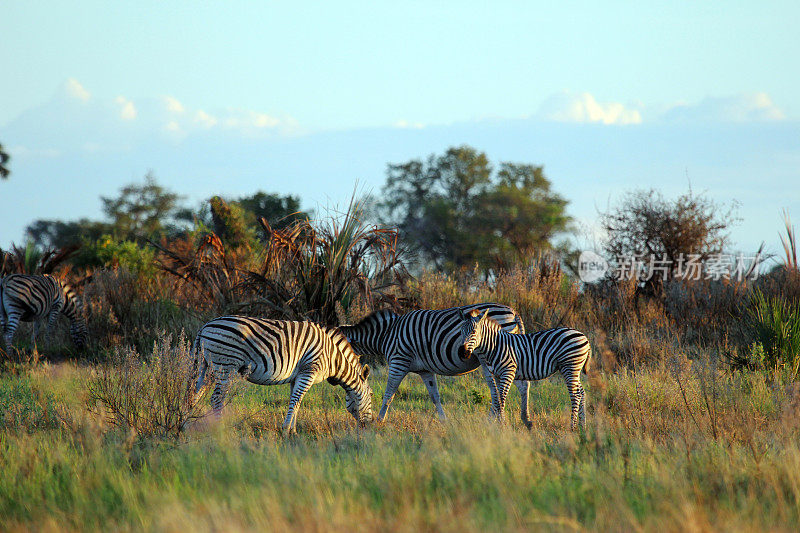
[{"x": 652, "y": 458}]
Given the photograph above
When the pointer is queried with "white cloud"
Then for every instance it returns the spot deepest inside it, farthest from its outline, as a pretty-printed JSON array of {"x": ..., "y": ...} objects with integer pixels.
[
  {"x": 204, "y": 120},
  {"x": 749, "y": 107},
  {"x": 73, "y": 89},
  {"x": 568, "y": 106},
  {"x": 243, "y": 118},
  {"x": 127, "y": 111},
  {"x": 404, "y": 124},
  {"x": 173, "y": 105}
]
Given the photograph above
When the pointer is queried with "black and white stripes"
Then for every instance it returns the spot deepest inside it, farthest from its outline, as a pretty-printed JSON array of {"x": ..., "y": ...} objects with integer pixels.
[
  {"x": 426, "y": 342},
  {"x": 32, "y": 298},
  {"x": 271, "y": 352},
  {"x": 528, "y": 357}
]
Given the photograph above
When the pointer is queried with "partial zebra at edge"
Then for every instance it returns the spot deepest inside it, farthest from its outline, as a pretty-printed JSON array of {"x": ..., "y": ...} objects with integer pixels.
[{"x": 31, "y": 298}]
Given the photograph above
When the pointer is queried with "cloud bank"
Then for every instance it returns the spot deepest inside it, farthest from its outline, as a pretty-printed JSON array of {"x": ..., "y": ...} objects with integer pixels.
[
  {"x": 752, "y": 107},
  {"x": 583, "y": 107},
  {"x": 75, "y": 119}
]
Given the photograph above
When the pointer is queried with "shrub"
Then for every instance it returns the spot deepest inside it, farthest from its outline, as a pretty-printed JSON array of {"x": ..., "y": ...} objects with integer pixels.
[
  {"x": 153, "y": 398},
  {"x": 107, "y": 252},
  {"x": 310, "y": 270},
  {"x": 774, "y": 324},
  {"x": 124, "y": 307}
]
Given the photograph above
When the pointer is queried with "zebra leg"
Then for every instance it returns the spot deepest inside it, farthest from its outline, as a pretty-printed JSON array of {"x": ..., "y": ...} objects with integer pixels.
[
  {"x": 504, "y": 381},
  {"x": 396, "y": 375},
  {"x": 34, "y": 331},
  {"x": 220, "y": 389},
  {"x": 429, "y": 378},
  {"x": 575, "y": 389},
  {"x": 300, "y": 387},
  {"x": 2, "y": 317},
  {"x": 53, "y": 317},
  {"x": 492, "y": 387},
  {"x": 582, "y": 408},
  {"x": 522, "y": 386},
  {"x": 12, "y": 322}
]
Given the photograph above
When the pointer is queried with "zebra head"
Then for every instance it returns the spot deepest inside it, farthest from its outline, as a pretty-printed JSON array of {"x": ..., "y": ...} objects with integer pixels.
[
  {"x": 359, "y": 399},
  {"x": 472, "y": 328},
  {"x": 74, "y": 311}
]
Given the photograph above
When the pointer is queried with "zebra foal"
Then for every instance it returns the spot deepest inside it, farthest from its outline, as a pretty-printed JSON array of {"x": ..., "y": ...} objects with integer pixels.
[
  {"x": 31, "y": 298},
  {"x": 272, "y": 352},
  {"x": 427, "y": 342},
  {"x": 529, "y": 357}
]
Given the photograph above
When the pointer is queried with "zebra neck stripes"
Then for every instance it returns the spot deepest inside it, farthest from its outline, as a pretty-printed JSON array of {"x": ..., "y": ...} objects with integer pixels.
[
  {"x": 345, "y": 369},
  {"x": 369, "y": 336}
]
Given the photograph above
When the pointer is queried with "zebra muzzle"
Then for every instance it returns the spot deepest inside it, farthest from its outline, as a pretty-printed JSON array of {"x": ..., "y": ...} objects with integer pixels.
[{"x": 463, "y": 353}]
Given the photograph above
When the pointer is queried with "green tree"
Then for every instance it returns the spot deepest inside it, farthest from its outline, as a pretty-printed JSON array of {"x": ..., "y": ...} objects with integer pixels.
[
  {"x": 279, "y": 211},
  {"x": 57, "y": 233},
  {"x": 229, "y": 224},
  {"x": 4, "y": 158},
  {"x": 457, "y": 212},
  {"x": 142, "y": 211}
]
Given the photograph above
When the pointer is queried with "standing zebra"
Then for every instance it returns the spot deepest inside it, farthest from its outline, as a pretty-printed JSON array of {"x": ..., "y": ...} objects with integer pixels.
[
  {"x": 31, "y": 298},
  {"x": 272, "y": 352},
  {"x": 427, "y": 342},
  {"x": 530, "y": 357}
]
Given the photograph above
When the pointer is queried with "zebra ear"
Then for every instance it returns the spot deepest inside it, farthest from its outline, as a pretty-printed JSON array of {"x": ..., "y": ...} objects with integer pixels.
[
  {"x": 485, "y": 316},
  {"x": 475, "y": 313},
  {"x": 461, "y": 314},
  {"x": 365, "y": 372}
]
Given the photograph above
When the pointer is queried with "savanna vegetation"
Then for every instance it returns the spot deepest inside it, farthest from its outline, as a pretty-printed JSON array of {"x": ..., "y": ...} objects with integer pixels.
[{"x": 693, "y": 403}]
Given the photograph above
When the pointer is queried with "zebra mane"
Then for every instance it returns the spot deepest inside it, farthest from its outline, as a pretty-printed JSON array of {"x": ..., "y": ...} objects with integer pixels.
[
  {"x": 340, "y": 340},
  {"x": 490, "y": 319}
]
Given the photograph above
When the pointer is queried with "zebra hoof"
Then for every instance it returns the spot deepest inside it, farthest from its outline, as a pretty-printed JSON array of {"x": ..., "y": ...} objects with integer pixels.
[{"x": 528, "y": 424}]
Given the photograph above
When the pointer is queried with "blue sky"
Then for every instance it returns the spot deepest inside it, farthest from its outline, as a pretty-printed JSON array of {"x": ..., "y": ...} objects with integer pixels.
[{"x": 308, "y": 98}]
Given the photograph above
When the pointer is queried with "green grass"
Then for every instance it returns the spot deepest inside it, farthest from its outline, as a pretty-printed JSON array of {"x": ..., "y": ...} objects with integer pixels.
[{"x": 645, "y": 461}]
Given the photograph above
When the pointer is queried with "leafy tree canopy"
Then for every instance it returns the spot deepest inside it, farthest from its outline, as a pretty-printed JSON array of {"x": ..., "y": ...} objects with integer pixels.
[
  {"x": 456, "y": 211},
  {"x": 142, "y": 211}
]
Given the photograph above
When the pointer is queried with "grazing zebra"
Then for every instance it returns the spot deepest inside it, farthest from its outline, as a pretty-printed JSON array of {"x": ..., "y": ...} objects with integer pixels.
[
  {"x": 426, "y": 342},
  {"x": 31, "y": 298},
  {"x": 530, "y": 357},
  {"x": 272, "y": 352}
]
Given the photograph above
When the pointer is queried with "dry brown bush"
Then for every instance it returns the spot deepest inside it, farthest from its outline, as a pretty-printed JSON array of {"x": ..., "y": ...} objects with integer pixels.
[{"x": 153, "y": 397}]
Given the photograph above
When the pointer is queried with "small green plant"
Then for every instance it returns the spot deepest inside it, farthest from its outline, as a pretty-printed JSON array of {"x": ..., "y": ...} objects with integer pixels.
[{"x": 775, "y": 327}]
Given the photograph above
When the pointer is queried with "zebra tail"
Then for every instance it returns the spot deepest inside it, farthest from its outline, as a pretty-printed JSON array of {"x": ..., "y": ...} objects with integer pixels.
[
  {"x": 200, "y": 363},
  {"x": 520, "y": 325},
  {"x": 588, "y": 362}
]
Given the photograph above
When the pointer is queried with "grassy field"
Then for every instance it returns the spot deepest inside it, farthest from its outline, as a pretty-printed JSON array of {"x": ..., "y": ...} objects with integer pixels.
[{"x": 681, "y": 448}]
